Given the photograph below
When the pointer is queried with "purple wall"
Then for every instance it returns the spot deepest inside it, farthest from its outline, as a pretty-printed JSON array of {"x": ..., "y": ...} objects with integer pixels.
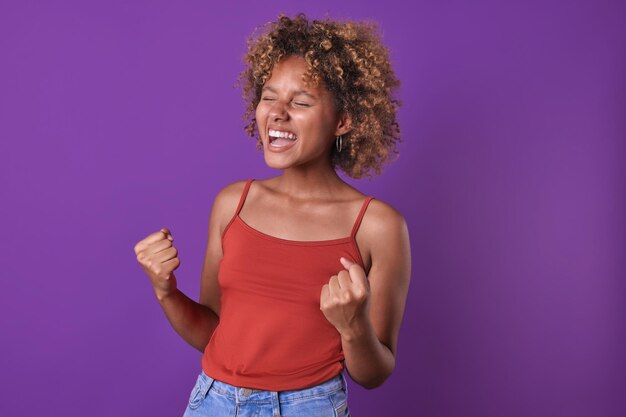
[{"x": 118, "y": 118}]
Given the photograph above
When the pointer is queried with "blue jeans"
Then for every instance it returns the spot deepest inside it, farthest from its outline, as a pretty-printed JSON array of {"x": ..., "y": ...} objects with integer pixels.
[{"x": 212, "y": 398}]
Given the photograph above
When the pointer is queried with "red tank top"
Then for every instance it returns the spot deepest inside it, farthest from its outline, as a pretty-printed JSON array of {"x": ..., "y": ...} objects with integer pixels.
[{"x": 272, "y": 334}]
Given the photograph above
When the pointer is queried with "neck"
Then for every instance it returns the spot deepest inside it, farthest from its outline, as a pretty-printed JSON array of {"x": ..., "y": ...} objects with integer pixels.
[{"x": 302, "y": 183}]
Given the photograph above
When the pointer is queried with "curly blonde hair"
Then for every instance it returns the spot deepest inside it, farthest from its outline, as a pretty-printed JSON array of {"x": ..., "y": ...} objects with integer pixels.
[{"x": 354, "y": 65}]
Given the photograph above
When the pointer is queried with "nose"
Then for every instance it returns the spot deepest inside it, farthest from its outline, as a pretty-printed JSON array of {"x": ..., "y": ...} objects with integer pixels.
[{"x": 278, "y": 111}]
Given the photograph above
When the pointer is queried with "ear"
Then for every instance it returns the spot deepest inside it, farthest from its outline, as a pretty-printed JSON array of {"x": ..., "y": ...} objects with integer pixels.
[{"x": 344, "y": 124}]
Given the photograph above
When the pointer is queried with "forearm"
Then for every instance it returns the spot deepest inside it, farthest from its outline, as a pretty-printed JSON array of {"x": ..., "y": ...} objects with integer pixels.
[
  {"x": 193, "y": 321},
  {"x": 368, "y": 361}
]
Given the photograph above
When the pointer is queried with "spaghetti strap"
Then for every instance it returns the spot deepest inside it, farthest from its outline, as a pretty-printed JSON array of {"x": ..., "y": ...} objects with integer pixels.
[
  {"x": 357, "y": 223},
  {"x": 243, "y": 196}
]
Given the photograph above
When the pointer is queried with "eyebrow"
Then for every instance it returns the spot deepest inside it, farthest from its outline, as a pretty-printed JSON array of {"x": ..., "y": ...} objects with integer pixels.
[{"x": 299, "y": 92}]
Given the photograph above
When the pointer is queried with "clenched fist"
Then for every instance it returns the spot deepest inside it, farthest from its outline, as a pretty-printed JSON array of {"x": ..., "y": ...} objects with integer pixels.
[
  {"x": 345, "y": 299},
  {"x": 159, "y": 258}
]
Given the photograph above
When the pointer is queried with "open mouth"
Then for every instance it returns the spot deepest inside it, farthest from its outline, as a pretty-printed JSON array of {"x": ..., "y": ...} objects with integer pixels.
[{"x": 281, "y": 138}]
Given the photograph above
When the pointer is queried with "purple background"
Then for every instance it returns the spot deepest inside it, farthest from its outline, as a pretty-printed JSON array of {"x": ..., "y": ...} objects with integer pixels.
[{"x": 118, "y": 118}]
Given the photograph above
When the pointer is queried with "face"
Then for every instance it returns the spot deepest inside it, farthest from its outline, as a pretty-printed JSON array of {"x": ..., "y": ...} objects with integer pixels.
[{"x": 297, "y": 121}]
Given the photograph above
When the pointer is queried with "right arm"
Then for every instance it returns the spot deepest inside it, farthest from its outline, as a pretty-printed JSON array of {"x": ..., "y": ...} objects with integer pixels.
[{"x": 193, "y": 321}]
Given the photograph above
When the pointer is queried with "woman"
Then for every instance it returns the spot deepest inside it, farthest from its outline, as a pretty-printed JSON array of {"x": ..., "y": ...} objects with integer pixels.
[{"x": 304, "y": 276}]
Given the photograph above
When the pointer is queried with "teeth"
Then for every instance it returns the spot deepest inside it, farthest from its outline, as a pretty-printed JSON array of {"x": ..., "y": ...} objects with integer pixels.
[{"x": 279, "y": 134}]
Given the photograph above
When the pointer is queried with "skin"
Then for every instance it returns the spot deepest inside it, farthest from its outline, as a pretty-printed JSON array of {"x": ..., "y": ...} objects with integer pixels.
[{"x": 308, "y": 201}]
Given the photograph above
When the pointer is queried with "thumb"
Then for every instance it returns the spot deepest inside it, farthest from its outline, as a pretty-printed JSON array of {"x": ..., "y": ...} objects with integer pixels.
[
  {"x": 357, "y": 274},
  {"x": 167, "y": 233},
  {"x": 346, "y": 262}
]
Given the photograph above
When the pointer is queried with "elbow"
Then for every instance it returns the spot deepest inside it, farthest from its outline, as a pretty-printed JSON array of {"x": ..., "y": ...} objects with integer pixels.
[
  {"x": 373, "y": 384},
  {"x": 375, "y": 381},
  {"x": 199, "y": 347}
]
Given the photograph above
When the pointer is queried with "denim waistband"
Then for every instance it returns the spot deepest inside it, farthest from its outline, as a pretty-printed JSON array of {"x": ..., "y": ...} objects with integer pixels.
[{"x": 254, "y": 395}]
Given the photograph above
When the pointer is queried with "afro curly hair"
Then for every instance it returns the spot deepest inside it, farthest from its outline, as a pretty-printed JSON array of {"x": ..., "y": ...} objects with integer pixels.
[{"x": 351, "y": 60}]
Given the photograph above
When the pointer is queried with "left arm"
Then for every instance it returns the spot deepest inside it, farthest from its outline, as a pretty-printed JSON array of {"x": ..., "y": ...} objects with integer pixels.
[{"x": 367, "y": 309}]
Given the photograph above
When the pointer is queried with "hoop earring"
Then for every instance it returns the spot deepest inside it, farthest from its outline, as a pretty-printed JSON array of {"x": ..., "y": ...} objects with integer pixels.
[{"x": 339, "y": 143}]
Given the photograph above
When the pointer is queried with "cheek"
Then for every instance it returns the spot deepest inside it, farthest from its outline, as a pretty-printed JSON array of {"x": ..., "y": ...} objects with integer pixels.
[{"x": 260, "y": 117}]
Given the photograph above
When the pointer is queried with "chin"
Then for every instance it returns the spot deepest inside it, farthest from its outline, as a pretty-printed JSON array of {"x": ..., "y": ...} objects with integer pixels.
[
  {"x": 276, "y": 164},
  {"x": 274, "y": 161}
]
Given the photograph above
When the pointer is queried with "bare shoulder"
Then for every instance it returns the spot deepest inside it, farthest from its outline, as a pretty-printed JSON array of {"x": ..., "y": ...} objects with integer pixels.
[
  {"x": 225, "y": 203},
  {"x": 382, "y": 219},
  {"x": 230, "y": 192},
  {"x": 383, "y": 233}
]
